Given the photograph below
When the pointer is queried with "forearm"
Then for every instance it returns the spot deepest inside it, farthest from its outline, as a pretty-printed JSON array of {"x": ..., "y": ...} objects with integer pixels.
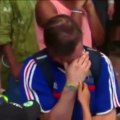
[
  {"x": 84, "y": 99},
  {"x": 86, "y": 113},
  {"x": 64, "y": 108},
  {"x": 41, "y": 12},
  {"x": 8, "y": 52},
  {"x": 96, "y": 27},
  {"x": 77, "y": 16}
]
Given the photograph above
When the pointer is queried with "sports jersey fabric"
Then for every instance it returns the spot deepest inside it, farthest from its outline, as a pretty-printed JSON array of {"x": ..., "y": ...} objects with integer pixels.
[{"x": 105, "y": 94}]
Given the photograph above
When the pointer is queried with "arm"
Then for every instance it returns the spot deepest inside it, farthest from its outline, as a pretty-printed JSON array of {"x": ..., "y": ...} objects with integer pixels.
[
  {"x": 84, "y": 99},
  {"x": 5, "y": 39},
  {"x": 42, "y": 14},
  {"x": 14, "y": 65},
  {"x": 44, "y": 10},
  {"x": 40, "y": 91},
  {"x": 67, "y": 102},
  {"x": 95, "y": 25},
  {"x": 94, "y": 22},
  {"x": 68, "y": 95},
  {"x": 78, "y": 5}
]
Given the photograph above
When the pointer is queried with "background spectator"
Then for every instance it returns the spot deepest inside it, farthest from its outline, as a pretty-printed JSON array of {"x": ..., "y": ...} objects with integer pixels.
[
  {"x": 17, "y": 39},
  {"x": 85, "y": 16}
]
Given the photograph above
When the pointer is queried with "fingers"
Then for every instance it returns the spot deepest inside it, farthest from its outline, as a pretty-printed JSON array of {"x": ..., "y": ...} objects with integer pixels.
[
  {"x": 86, "y": 65},
  {"x": 84, "y": 57},
  {"x": 77, "y": 70},
  {"x": 82, "y": 86},
  {"x": 84, "y": 61},
  {"x": 85, "y": 86},
  {"x": 83, "y": 94}
]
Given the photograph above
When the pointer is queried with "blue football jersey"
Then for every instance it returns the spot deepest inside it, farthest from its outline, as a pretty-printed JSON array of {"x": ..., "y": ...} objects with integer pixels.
[{"x": 105, "y": 94}]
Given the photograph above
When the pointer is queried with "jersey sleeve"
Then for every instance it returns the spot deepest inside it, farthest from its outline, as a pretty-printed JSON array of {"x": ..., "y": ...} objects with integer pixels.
[
  {"x": 5, "y": 21},
  {"x": 35, "y": 87},
  {"x": 107, "y": 89}
]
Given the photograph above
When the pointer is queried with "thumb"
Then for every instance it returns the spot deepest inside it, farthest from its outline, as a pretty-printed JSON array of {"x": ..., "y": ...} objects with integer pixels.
[{"x": 85, "y": 86}]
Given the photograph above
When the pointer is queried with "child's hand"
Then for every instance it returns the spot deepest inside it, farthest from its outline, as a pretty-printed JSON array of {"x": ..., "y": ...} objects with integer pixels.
[{"x": 83, "y": 94}]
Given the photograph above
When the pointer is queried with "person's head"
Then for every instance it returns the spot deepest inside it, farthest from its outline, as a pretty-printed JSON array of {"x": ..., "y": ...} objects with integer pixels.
[{"x": 63, "y": 38}]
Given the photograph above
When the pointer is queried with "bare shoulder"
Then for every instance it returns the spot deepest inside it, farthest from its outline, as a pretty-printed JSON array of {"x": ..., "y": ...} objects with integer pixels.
[{"x": 44, "y": 10}]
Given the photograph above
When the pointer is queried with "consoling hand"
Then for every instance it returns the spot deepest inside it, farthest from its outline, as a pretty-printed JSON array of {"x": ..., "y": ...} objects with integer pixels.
[{"x": 83, "y": 94}]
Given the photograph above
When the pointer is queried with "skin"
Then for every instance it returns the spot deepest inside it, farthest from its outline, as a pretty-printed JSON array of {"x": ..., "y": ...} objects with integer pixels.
[
  {"x": 43, "y": 15},
  {"x": 84, "y": 99},
  {"x": 77, "y": 63},
  {"x": 73, "y": 67}
]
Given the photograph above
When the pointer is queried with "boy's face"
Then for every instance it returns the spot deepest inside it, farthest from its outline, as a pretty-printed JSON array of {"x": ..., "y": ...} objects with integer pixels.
[{"x": 62, "y": 59}]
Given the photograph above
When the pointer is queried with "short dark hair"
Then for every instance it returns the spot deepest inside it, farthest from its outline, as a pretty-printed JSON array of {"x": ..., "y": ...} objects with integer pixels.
[{"x": 62, "y": 34}]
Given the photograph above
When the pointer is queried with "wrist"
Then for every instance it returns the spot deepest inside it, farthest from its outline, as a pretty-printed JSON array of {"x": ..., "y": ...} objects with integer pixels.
[
  {"x": 79, "y": 11},
  {"x": 71, "y": 86}
]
